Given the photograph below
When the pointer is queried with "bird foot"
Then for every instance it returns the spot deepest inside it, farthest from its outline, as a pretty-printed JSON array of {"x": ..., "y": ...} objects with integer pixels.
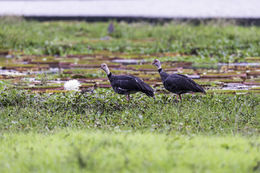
[{"x": 177, "y": 99}]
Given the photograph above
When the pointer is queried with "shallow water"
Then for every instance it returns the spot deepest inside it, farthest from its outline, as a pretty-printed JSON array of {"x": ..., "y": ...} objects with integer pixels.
[
  {"x": 11, "y": 73},
  {"x": 240, "y": 64},
  {"x": 237, "y": 86},
  {"x": 127, "y": 61},
  {"x": 228, "y": 76}
]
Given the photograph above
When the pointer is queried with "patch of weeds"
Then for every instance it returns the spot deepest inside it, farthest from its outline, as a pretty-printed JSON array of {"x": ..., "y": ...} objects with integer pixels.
[{"x": 103, "y": 109}]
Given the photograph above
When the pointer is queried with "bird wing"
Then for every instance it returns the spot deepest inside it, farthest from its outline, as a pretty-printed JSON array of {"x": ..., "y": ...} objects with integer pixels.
[
  {"x": 144, "y": 87},
  {"x": 181, "y": 75},
  {"x": 181, "y": 84},
  {"x": 127, "y": 83},
  {"x": 170, "y": 83},
  {"x": 193, "y": 85},
  {"x": 124, "y": 83}
]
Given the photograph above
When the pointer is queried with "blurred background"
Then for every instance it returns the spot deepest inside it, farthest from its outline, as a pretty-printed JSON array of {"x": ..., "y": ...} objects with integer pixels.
[{"x": 129, "y": 9}]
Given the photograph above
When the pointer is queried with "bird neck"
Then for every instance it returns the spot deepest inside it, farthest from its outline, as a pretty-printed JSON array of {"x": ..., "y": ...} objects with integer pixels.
[
  {"x": 163, "y": 74},
  {"x": 107, "y": 70},
  {"x": 109, "y": 74}
]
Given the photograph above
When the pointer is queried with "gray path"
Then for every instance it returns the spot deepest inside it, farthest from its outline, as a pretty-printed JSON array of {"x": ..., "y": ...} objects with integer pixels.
[{"x": 134, "y": 8}]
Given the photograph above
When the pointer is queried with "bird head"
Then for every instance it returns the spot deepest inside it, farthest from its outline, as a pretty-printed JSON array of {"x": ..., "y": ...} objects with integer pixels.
[
  {"x": 105, "y": 68},
  {"x": 157, "y": 63}
]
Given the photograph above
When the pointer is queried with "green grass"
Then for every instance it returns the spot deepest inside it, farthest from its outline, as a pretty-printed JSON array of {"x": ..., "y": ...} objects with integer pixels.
[
  {"x": 88, "y": 151},
  {"x": 103, "y": 109},
  {"x": 212, "y": 42}
]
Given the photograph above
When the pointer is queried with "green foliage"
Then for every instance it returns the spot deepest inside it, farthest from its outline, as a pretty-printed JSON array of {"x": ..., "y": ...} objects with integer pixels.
[
  {"x": 103, "y": 109},
  {"x": 88, "y": 151},
  {"x": 220, "y": 42}
]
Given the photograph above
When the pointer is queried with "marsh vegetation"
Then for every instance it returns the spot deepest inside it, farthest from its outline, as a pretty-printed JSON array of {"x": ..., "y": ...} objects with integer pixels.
[{"x": 44, "y": 127}]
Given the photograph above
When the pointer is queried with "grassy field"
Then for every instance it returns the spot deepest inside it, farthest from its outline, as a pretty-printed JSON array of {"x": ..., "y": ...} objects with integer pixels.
[
  {"x": 71, "y": 132},
  {"x": 103, "y": 109},
  {"x": 218, "y": 41},
  {"x": 88, "y": 151},
  {"x": 44, "y": 128}
]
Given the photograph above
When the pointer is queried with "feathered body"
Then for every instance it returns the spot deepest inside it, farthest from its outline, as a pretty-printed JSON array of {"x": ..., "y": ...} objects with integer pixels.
[
  {"x": 179, "y": 84},
  {"x": 128, "y": 84}
]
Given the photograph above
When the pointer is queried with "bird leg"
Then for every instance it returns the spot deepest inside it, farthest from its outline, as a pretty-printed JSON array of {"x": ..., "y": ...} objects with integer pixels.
[
  {"x": 128, "y": 97},
  {"x": 180, "y": 96}
]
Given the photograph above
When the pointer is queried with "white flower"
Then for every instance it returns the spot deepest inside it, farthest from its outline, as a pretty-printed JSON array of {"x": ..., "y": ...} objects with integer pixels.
[{"x": 72, "y": 85}]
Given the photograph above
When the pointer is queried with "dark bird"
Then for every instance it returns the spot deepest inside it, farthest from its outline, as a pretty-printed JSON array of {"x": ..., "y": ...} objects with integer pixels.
[
  {"x": 177, "y": 83},
  {"x": 127, "y": 84},
  {"x": 110, "y": 28}
]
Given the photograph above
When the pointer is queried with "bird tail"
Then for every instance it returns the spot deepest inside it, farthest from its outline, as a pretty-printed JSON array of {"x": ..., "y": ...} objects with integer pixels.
[
  {"x": 200, "y": 89},
  {"x": 197, "y": 87},
  {"x": 147, "y": 89}
]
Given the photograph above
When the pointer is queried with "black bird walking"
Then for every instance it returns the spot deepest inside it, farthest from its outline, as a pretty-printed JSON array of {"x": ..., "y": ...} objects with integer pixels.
[
  {"x": 177, "y": 83},
  {"x": 127, "y": 84}
]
